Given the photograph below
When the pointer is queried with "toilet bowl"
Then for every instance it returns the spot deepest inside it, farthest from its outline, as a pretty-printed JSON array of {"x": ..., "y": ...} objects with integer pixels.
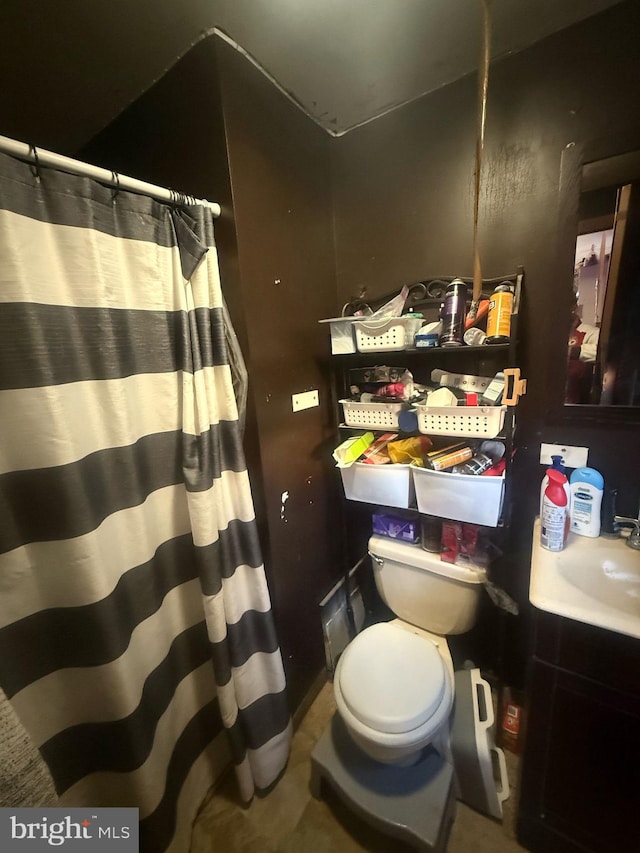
[
  {"x": 394, "y": 683},
  {"x": 393, "y": 688}
]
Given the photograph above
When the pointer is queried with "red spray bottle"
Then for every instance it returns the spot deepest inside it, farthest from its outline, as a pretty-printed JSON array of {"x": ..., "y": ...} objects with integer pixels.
[{"x": 554, "y": 516}]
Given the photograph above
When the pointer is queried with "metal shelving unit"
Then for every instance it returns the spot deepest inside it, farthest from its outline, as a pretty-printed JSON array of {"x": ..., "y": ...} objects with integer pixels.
[{"x": 484, "y": 360}]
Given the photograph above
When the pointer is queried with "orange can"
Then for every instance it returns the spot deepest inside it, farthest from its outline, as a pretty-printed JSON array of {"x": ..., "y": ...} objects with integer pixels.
[{"x": 499, "y": 317}]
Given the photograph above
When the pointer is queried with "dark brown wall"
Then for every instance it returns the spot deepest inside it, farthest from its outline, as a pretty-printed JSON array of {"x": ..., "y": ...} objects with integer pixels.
[
  {"x": 216, "y": 128},
  {"x": 403, "y": 210},
  {"x": 280, "y": 174}
]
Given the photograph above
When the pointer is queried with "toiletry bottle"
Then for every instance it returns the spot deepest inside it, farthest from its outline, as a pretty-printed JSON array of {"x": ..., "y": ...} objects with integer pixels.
[
  {"x": 587, "y": 487},
  {"x": 499, "y": 318},
  {"x": 453, "y": 313},
  {"x": 556, "y": 464},
  {"x": 554, "y": 521}
]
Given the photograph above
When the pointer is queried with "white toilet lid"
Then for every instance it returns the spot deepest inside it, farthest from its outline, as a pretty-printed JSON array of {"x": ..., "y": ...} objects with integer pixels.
[{"x": 391, "y": 679}]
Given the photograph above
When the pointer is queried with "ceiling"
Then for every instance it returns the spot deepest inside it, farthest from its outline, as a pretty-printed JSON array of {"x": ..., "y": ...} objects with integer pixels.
[{"x": 74, "y": 65}]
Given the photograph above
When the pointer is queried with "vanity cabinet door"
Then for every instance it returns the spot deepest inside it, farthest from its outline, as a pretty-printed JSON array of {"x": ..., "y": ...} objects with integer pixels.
[
  {"x": 604, "y": 656},
  {"x": 581, "y": 766}
]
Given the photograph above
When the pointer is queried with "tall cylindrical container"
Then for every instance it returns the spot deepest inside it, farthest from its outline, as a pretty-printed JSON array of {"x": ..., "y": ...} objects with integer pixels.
[
  {"x": 499, "y": 317},
  {"x": 554, "y": 521},
  {"x": 454, "y": 311},
  {"x": 556, "y": 463}
]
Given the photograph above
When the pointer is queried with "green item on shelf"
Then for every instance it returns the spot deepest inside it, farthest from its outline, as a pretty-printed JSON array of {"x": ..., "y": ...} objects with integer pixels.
[{"x": 346, "y": 453}]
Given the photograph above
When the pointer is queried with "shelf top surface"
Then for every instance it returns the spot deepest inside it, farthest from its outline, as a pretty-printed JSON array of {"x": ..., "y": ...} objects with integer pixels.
[{"x": 491, "y": 349}]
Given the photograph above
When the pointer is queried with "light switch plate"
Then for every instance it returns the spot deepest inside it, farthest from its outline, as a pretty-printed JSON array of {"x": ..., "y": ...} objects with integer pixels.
[
  {"x": 305, "y": 400},
  {"x": 572, "y": 457}
]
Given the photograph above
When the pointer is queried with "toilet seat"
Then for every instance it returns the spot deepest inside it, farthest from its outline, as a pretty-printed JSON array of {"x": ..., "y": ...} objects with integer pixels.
[
  {"x": 392, "y": 746},
  {"x": 392, "y": 680}
]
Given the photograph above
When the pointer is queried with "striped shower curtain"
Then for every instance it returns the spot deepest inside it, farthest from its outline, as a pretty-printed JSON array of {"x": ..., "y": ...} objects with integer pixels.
[{"x": 135, "y": 621}]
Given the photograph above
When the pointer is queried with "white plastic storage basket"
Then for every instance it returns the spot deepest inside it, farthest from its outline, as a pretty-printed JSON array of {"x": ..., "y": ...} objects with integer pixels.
[
  {"x": 460, "y": 497},
  {"x": 396, "y": 333},
  {"x": 388, "y": 485},
  {"x": 342, "y": 338},
  {"x": 466, "y": 421},
  {"x": 371, "y": 415}
]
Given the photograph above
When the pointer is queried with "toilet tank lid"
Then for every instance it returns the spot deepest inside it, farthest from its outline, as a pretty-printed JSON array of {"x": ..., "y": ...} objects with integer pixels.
[
  {"x": 391, "y": 679},
  {"x": 415, "y": 556}
]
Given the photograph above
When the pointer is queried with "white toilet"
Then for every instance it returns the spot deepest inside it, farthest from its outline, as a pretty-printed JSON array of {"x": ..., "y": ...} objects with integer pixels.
[{"x": 394, "y": 682}]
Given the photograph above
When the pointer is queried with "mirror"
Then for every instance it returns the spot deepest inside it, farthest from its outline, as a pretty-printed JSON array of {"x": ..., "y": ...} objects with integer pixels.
[{"x": 603, "y": 346}]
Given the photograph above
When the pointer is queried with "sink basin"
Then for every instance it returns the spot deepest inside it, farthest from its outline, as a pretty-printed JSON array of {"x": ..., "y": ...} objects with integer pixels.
[{"x": 596, "y": 581}]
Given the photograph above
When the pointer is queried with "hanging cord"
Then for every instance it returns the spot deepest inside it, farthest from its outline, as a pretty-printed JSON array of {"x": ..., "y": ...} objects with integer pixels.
[
  {"x": 483, "y": 80},
  {"x": 35, "y": 166},
  {"x": 115, "y": 190}
]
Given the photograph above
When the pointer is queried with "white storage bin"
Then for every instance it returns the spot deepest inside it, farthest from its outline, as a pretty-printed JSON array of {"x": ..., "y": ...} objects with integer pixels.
[
  {"x": 342, "y": 337},
  {"x": 466, "y": 421},
  {"x": 371, "y": 415},
  {"x": 388, "y": 485},
  {"x": 460, "y": 497},
  {"x": 396, "y": 333}
]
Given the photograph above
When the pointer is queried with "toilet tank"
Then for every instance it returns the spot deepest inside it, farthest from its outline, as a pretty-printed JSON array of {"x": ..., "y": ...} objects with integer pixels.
[{"x": 422, "y": 589}]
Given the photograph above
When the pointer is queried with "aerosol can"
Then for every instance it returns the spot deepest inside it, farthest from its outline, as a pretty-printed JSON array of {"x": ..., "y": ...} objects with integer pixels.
[
  {"x": 556, "y": 463},
  {"x": 554, "y": 519}
]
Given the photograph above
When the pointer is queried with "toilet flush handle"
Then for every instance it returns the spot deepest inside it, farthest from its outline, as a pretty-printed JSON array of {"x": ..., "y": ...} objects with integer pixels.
[{"x": 376, "y": 559}]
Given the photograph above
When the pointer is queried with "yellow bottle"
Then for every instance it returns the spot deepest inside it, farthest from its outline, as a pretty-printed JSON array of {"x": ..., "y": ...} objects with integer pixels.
[{"x": 499, "y": 317}]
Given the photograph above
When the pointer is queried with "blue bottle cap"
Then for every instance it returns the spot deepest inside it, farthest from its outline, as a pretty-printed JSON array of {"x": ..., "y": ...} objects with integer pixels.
[
  {"x": 588, "y": 475},
  {"x": 408, "y": 421}
]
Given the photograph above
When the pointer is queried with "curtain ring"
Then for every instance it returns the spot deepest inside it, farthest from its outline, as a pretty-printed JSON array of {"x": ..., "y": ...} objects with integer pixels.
[
  {"x": 35, "y": 166},
  {"x": 179, "y": 199},
  {"x": 115, "y": 179}
]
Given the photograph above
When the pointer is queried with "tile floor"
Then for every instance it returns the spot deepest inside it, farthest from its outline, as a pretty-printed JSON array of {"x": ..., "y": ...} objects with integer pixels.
[{"x": 290, "y": 820}]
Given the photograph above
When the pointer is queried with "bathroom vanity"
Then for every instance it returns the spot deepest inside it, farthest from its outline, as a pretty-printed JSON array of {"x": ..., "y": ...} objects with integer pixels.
[{"x": 580, "y": 785}]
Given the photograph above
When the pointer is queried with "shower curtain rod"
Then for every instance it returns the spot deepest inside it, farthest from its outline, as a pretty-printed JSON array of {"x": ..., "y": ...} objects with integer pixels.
[{"x": 31, "y": 154}]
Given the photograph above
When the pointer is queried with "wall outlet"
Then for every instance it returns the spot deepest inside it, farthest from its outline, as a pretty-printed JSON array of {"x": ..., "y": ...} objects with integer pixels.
[
  {"x": 305, "y": 400},
  {"x": 572, "y": 457}
]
